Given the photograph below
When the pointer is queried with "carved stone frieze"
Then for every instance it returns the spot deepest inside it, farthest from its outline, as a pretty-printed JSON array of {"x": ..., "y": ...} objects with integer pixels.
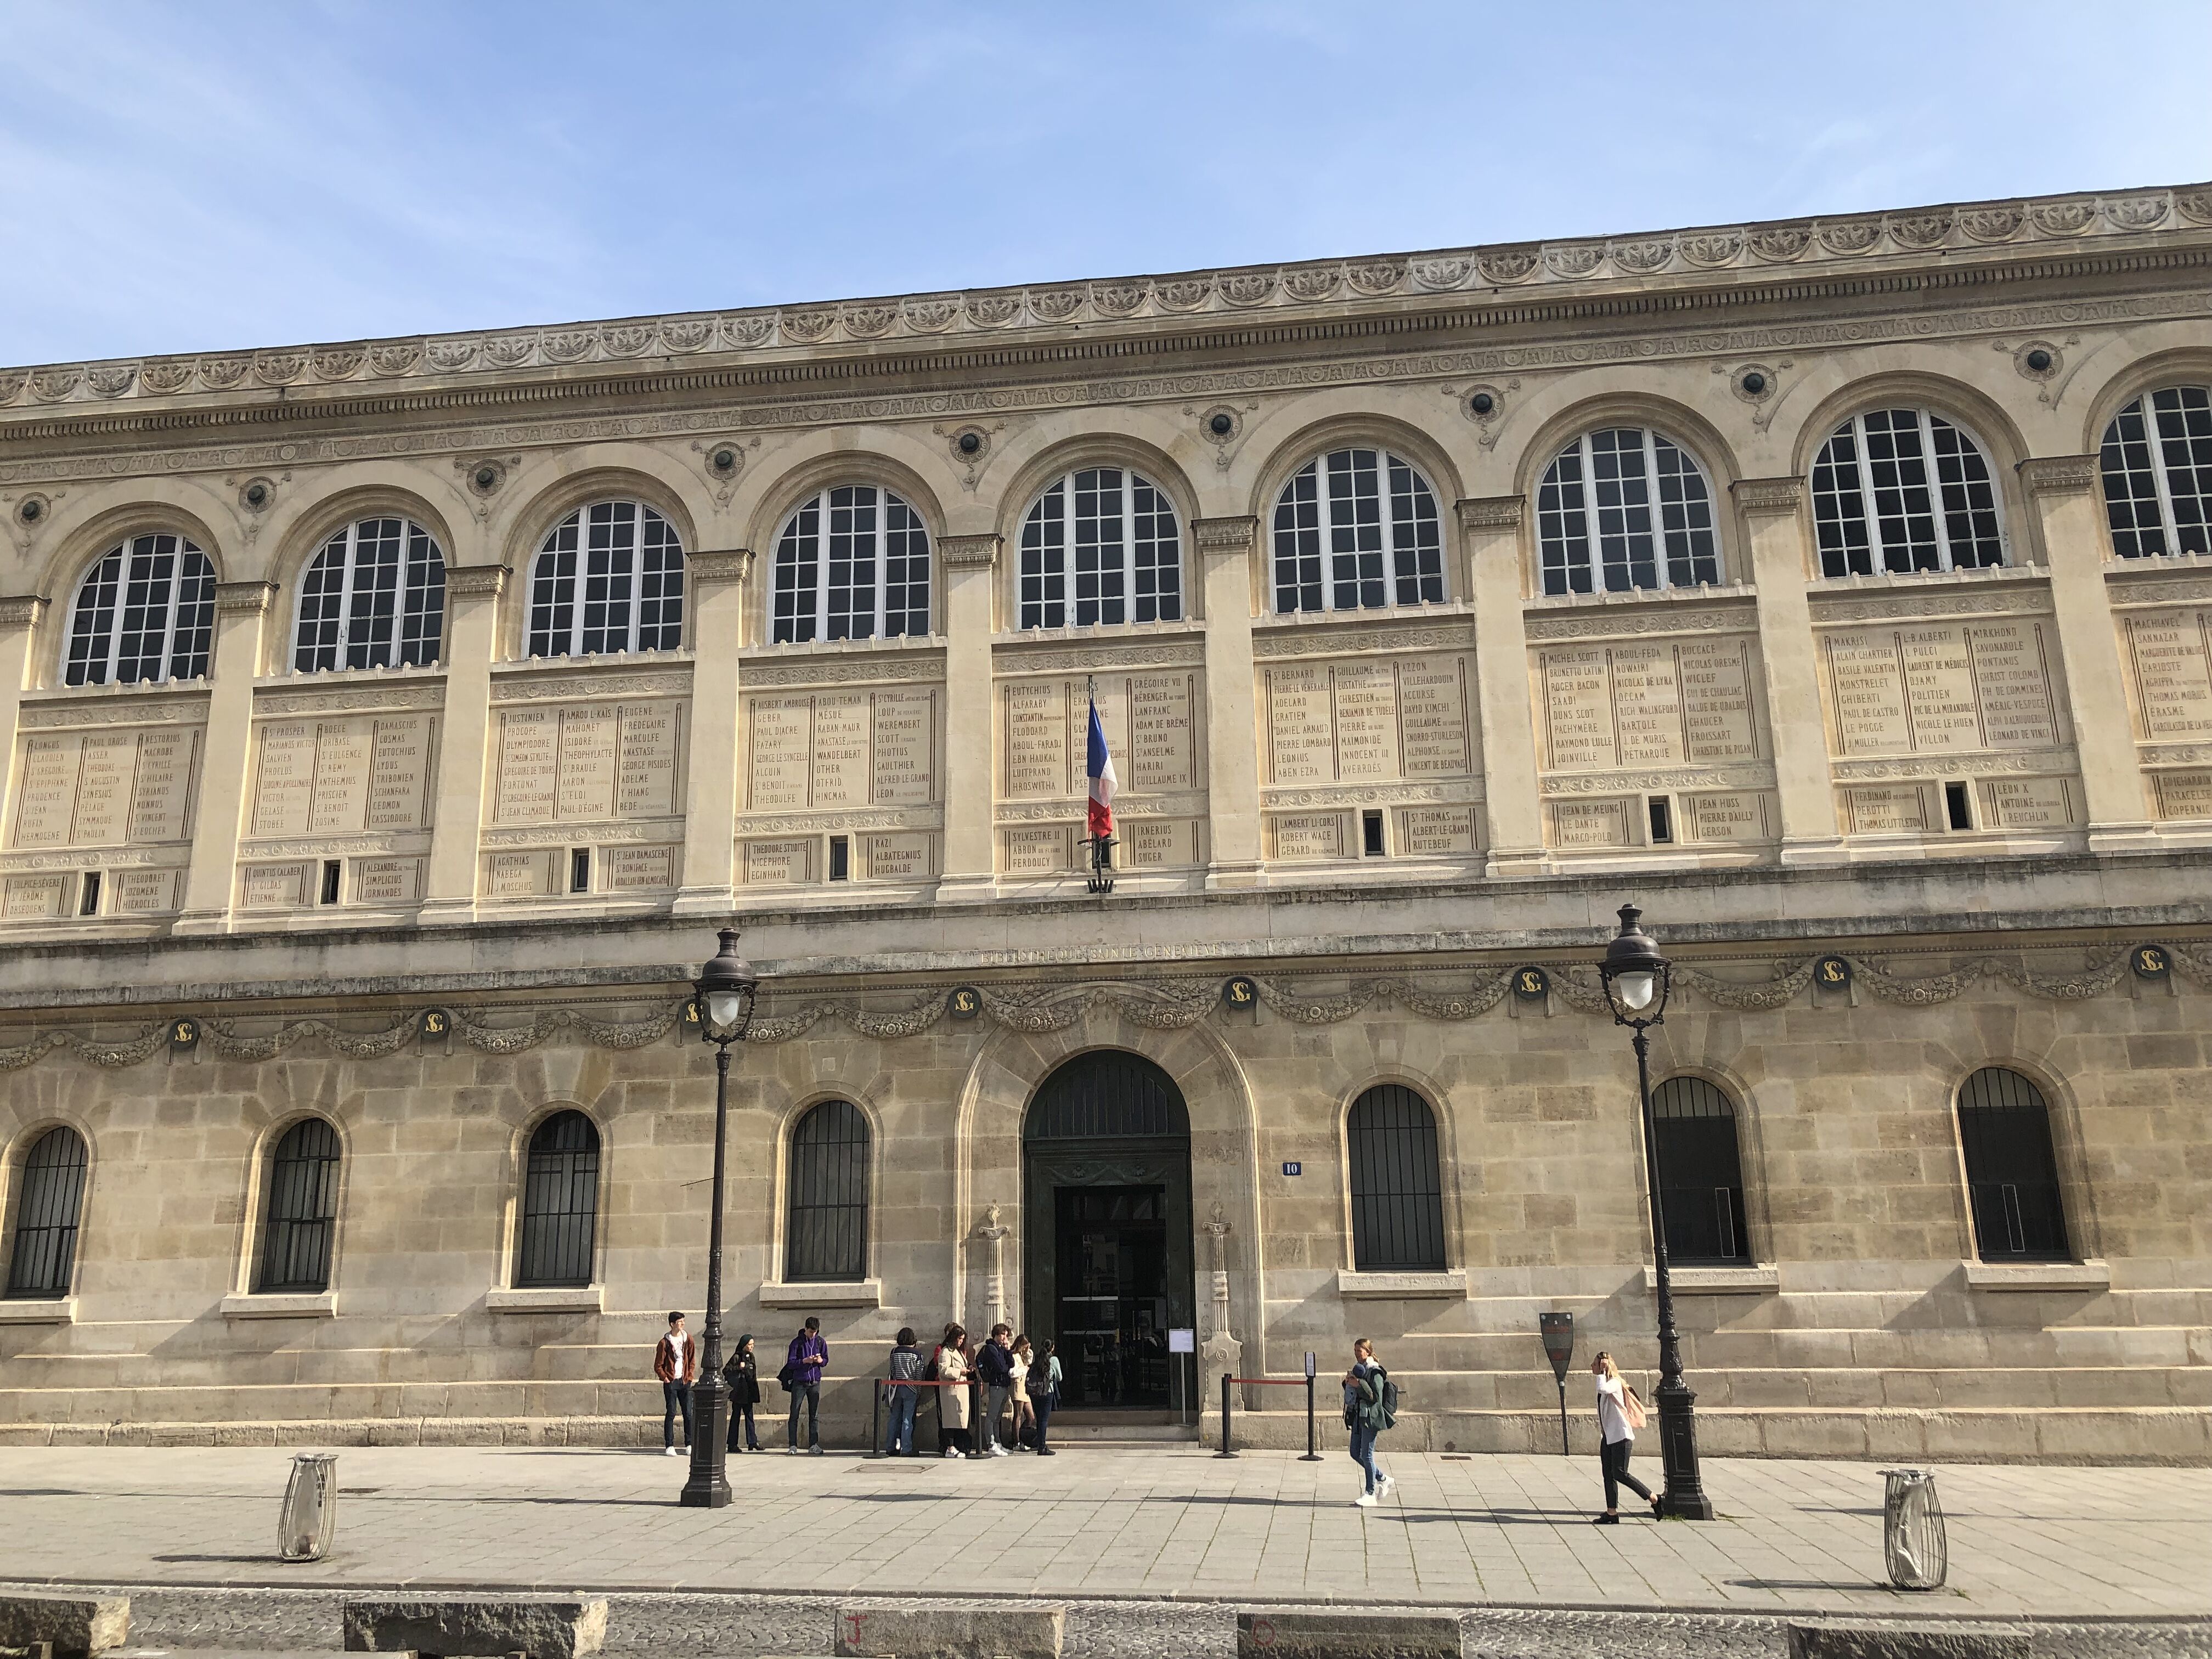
[
  {"x": 2152, "y": 581},
  {"x": 1674, "y": 777},
  {"x": 1605, "y": 622},
  {"x": 1237, "y": 535},
  {"x": 125, "y": 705},
  {"x": 20, "y": 610},
  {"x": 755, "y": 825},
  {"x": 1491, "y": 513},
  {"x": 476, "y": 581},
  {"x": 733, "y": 566},
  {"x": 1309, "y": 641},
  {"x": 647, "y": 832},
  {"x": 2029, "y": 598},
  {"x": 244, "y": 599},
  {"x": 1188, "y": 652},
  {"x": 509, "y": 687},
  {"x": 1463, "y": 793},
  {"x": 1769, "y": 496},
  {"x": 2058, "y": 475},
  {"x": 968, "y": 552},
  {"x": 2062, "y": 763}
]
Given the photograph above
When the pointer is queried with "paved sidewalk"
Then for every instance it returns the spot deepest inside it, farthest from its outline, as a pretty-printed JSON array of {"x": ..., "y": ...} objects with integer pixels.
[{"x": 1095, "y": 1523}]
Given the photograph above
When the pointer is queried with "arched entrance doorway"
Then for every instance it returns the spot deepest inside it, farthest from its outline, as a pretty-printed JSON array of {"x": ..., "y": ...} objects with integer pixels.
[{"x": 1106, "y": 1190}]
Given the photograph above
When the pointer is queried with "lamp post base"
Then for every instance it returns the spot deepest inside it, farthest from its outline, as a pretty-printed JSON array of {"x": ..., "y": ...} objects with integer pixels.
[
  {"x": 708, "y": 1488},
  {"x": 1684, "y": 1498}
]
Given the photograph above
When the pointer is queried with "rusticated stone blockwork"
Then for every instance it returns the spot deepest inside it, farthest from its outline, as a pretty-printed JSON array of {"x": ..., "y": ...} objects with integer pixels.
[{"x": 348, "y": 1090}]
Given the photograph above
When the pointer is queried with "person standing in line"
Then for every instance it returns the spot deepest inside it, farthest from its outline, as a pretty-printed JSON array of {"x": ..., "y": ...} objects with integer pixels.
[
  {"x": 1044, "y": 1392},
  {"x": 905, "y": 1366},
  {"x": 675, "y": 1363},
  {"x": 995, "y": 1361},
  {"x": 1619, "y": 1411},
  {"x": 802, "y": 1375},
  {"x": 949, "y": 1364},
  {"x": 1366, "y": 1414},
  {"x": 741, "y": 1373},
  {"x": 1024, "y": 1419}
]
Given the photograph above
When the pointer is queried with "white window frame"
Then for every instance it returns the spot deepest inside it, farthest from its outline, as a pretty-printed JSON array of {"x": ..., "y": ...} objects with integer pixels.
[
  {"x": 819, "y": 558},
  {"x": 1864, "y": 466},
  {"x": 185, "y": 548},
  {"x": 347, "y": 538},
  {"x": 577, "y": 597},
  {"x": 1385, "y": 459},
  {"x": 1587, "y": 484},
  {"x": 1167, "y": 555},
  {"x": 2161, "y": 482}
]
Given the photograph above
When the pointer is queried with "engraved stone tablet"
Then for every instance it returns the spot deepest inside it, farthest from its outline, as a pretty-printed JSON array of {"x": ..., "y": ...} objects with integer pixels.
[
  {"x": 2182, "y": 794},
  {"x": 904, "y": 732},
  {"x": 780, "y": 863},
  {"x": 840, "y": 750},
  {"x": 1590, "y": 823},
  {"x": 1735, "y": 814},
  {"x": 399, "y": 772},
  {"x": 2168, "y": 651},
  {"x": 1717, "y": 717},
  {"x": 2029, "y": 803},
  {"x": 1161, "y": 752},
  {"x": 1036, "y": 764},
  {"x": 1647, "y": 704},
  {"x": 1432, "y": 717},
  {"x": 106, "y": 788},
  {"x": 1436, "y": 831},
  {"x": 630, "y": 869},
  {"x": 1866, "y": 686},
  {"x": 139, "y": 892},
  {"x": 1365, "y": 696},
  {"x": 1301, "y": 744},
  {"x": 105, "y": 770},
  {"x": 585, "y": 789},
  {"x": 529, "y": 874},
  {"x": 779, "y": 733},
  {"x": 273, "y": 886},
  {"x": 1577, "y": 710},
  {"x": 1310, "y": 835},
  {"x": 1942, "y": 688},
  {"x": 339, "y": 804},
  {"x": 29, "y": 896},
  {"x": 2016, "y": 678},
  {"x": 899, "y": 857},
  {"x": 387, "y": 881},
  {"x": 650, "y": 735},
  {"x": 160, "y": 795},
  {"x": 528, "y": 765},
  {"x": 46, "y": 793},
  {"x": 1038, "y": 852},
  {"x": 1160, "y": 843},
  {"x": 1887, "y": 809}
]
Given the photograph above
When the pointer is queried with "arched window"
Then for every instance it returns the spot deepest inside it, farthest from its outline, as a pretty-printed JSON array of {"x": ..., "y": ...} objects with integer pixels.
[
  {"x": 2012, "y": 1173},
  {"x": 560, "y": 1203},
  {"x": 50, "y": 1193},
  {"x": 630, "y": 564},
  {"x": 852, "y": 563},
  {"x": 1397, "y": 1186},
  {"x": 1903, "y": 490},
  {"x": 1356, "y": 530},
  {"x": 300, "y": 1211},
  {"x": 1120, "y": 531},
  {"x": 1624, "y": 508},
  {"x": 1700, "y": 1172},
  {"x": 375, "y": 596},
  {"x": 826, "y": 1220},
  {"x": 2157, "y": 458},
  {"x": 145, "y": 613}
]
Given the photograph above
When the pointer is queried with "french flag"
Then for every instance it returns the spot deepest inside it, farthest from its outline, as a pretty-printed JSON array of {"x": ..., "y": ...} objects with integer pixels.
[{"x": 1100, "y": 766}]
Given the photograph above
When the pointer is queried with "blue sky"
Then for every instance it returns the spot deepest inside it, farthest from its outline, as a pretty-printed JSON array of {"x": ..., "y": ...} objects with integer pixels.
[{"x": 190, "y": 174}]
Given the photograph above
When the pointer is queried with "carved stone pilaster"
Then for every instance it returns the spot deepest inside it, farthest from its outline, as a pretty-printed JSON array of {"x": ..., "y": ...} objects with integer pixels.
[
  {"x": 959, "y": 551},
  {"x": 1769, "y": 496},
  {"x": 2058, "y": 475},
  {"x": 992, "y": 1234}
]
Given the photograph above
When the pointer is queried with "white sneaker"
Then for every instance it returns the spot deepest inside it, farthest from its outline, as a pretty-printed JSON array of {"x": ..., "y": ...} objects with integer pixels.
[
  {"x": 998, "y": 1452},
  {"x": 672, "y": 1451},
  {"x": 1365, "y": 1501},
  {"x": 952, "y": 1451},
  {"x": 1383, "y": 1491}
]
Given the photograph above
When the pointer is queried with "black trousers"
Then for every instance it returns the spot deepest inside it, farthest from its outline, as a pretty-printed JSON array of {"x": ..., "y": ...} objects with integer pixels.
[
  {"x": 1615, "y": 1462},
  {"x": 808, "y": 1395},
  {"x": 675, "y": 1396},
  {"x": 743, "y": 1414}
]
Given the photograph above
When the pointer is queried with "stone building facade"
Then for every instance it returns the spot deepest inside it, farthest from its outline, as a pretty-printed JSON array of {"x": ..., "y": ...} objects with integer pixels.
[{"x": 394, "y": 723}]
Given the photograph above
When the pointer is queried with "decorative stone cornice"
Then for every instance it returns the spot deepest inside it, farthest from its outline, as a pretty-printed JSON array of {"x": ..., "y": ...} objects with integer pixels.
[
  {"x": 476, "y": 581},
  {"x": 734, "y": 565},
  {"x": 2058, "y": 475},
  {"x": 21, "y": 611},
  {"x": 1493, "y": 512},
  {"x": 1769, "y": 496},
  {"x": 2034, "y": 227},
  {"x": 960, "y": 552},
  {"x": 1224, "y": 535},
  {"x": 244, "y": 599}
]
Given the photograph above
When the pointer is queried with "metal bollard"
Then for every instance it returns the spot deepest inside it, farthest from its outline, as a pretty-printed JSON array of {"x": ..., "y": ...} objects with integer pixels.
[
  {"x": 1225, "y": 1451},
  {"x": 1913, "y": 1547},
  {"x": 976, "y": 1417},
  {"x": 309, "y": 1519},
  {"x": 876, "y": 1418}
]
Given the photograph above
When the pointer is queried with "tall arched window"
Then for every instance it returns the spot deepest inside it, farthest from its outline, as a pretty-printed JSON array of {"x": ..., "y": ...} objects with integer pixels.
[
  {"x": 560, "y": 1203},
  {"x": 2011, "y": 1172},
  {"x": 608, "y": 578},
  {"x": 852, "y": 563},
  {"x": 375, "y": 596},
  {"x": 826, "y": 1219},
  {"x": 1902, "y": 490},
  {"x": 144, "y": 613},
  {"x": 1356, "y": 530},
  {"x": 300, "y": 1211},
  {"x": 1700, "y": 1172},
  {"x": 2157, "y": 460},
  {"x": 1101, "y": 545},
  {"x": 1397, "y": 1184},
  {"x": 50, "y": 1192},
  {"x": 1624, "y": 508}
]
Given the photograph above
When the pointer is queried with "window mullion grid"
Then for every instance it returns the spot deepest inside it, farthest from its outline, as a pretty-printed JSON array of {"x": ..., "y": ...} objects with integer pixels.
[
  {"x": 1655, "y": 503},
  {"x": 822, "y": 536},
  {"x": 1593, "y": 526},
  {"x": 1870, "y": 506},
  {"x": 1931, "y": 467},
  {"x": 1126, "y": 552},
  {"x": 166, "y": 661},
  {"x": 349, "y": 559},
  {"x": 113, "y": 644},
  {"x": 879, "y": 586},
  {"x": 2155, "y": 441}
]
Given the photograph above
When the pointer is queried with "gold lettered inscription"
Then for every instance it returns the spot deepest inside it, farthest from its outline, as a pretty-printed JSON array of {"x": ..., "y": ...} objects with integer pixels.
[{"x": 2150, "y": 962}]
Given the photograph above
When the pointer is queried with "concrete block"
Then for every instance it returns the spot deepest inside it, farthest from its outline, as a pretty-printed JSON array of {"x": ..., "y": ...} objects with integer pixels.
[
  {"x": 1008, "y": 1631},
  {"x": 1344, "y": 1633},
  {"x": 543, "y": 1627},
  {"x": 1885, "y": 1639},
  {"x": 70, "y": 1624}
]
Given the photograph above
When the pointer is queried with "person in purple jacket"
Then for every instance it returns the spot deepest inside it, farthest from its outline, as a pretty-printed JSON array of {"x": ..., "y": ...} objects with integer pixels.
[{"x": 802, "y": 1375}]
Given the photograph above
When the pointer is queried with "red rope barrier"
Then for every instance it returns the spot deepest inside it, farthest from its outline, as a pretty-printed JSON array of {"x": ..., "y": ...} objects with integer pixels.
[{"x": 1270, "y": 1381}]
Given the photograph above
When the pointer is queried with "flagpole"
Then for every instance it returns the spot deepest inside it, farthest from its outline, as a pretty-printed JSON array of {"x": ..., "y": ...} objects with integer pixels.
[{"x": 1101, "y": 865}]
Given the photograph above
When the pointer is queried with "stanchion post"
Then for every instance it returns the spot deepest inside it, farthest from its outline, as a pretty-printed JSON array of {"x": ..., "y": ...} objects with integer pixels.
[
  {"x": 875, "y": 1418},
  {"x": 1224, "y": 1451},
  {"x": 976, "y": 1417},
  {"x": 1313, "y": 1449}
]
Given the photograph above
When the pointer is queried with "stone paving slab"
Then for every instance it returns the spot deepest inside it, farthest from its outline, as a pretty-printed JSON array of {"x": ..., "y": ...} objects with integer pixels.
[{"x": 1154, "y": 1524}]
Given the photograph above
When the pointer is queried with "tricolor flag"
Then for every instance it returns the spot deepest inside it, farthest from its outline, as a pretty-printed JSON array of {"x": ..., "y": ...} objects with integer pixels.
[{"x": 1100, "y": 766}]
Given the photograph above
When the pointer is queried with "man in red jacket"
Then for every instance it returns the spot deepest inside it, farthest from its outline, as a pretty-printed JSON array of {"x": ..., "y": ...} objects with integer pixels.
[{"x": 675, "y": 1363}]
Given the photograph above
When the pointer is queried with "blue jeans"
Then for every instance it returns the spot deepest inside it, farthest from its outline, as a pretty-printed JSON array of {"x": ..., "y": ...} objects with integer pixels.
[
  {"x": 808, "y": 1394},
  {"x": 1043, "y": 1409},
  {"x": 901, "y": 1436},
  {"x": 1362, "y": 1453},
  {"x": 675, "y": 1396}
]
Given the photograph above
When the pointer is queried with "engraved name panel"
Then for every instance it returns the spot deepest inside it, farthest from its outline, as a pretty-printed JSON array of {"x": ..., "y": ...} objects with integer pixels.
[
  {"x": 106, "y": 788},
  {"x": 1151, "y": 722},
  {"x": 2170, "y": 658},
  {"x": 331, "y": 777},
  {"x": 831, "y": 749},
  {"x": 1942, "y": 688},
  {"x": 1369, "y": 721},
  {"x": 1661, "y": 702},
  {"x": 589, "y": 762}
]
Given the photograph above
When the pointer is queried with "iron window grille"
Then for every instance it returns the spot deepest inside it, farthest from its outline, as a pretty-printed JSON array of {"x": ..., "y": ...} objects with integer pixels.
[
  {"x": 1694, "y": 1125},
  {"x": 560, "y": 1204},
  {"x": 1903, "y": 490},
  {"x": 1357, "y": 530},
  {"x": 608, "y": 578},
  {"x": 1397, "y": 1183},
  {"x": 373, "y": 597},
  {"x": 2157, "y": 463},
  {"x": 144, "y": 613},
  {"x": 1625, "y": 509},
  {"x": 1107, "y": 1094},
  {"x": 2012, "y": 1170},
  {"x": 301, "y": 1211},
  {"x": 852, "y": 563},
  {"x": 43, "y": 1257},
  {"x": 1120, "y": 531},
  {"x": 826, "y": 1219}
]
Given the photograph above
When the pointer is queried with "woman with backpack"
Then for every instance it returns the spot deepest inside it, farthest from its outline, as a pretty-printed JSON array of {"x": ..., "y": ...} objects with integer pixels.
[
  {"x": 949, "y": 1363},
  {"x": 741, "y": 1373},
  {"x": 1044, "y": 1394},
  {"x": 1620, "y": 1414},
  {"x": 1371, "y": 1405}
]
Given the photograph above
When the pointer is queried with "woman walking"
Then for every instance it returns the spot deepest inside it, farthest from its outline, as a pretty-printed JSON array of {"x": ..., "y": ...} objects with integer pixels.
[
  {"x": 741, "y": 1373},
  {"x": 1366, "y": 1414},
  {"x": 1618, "y": 1412},
  {"x": 949, "y": 1364}
]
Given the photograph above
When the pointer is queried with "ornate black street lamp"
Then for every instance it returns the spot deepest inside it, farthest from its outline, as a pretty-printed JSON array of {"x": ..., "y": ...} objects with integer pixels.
[
  {"x": 1637, "y": 978},
  {"x": 722, "y": 1000}
]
